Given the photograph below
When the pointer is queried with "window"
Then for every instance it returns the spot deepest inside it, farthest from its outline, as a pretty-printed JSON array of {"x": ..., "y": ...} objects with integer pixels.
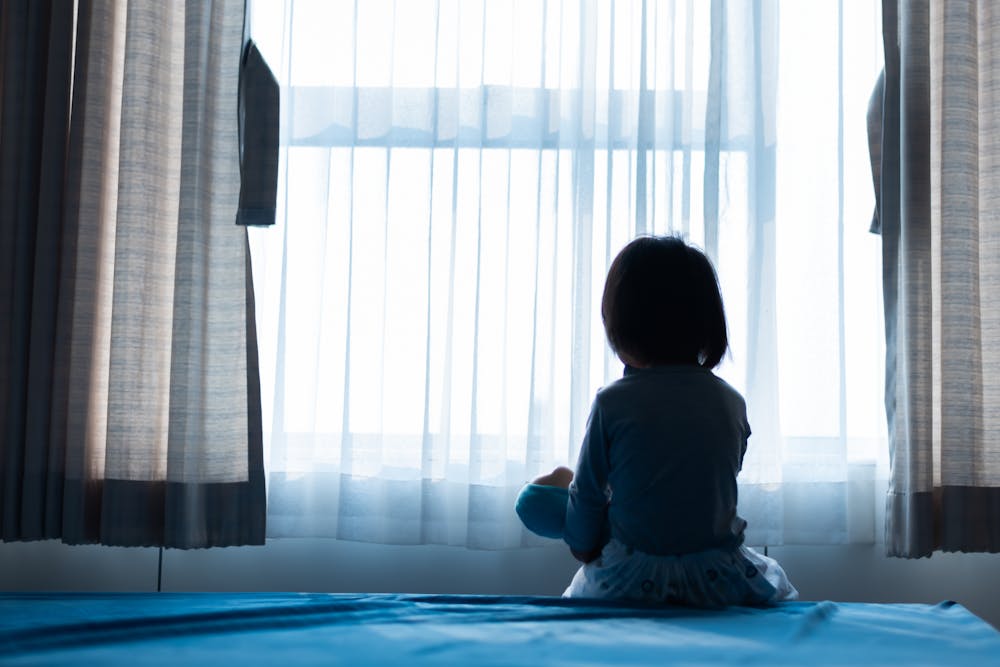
[{"x": 457, "y": 177}]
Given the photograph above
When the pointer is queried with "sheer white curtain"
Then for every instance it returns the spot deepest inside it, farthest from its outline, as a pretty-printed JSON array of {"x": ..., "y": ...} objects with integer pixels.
[{"x": 456, "y": 178}]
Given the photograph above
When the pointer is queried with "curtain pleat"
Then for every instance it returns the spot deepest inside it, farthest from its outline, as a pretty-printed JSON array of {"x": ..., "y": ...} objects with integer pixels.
[
  {"x": 85, "y": 317},
  {"x": 37, "y": 42}
]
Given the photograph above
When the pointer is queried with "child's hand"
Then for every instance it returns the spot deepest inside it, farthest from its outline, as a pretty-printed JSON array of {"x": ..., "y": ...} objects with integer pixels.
[{"x": 560, "y": 477}]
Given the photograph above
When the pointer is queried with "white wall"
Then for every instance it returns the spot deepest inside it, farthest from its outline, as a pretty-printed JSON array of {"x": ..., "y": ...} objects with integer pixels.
[{"x": 842, "y": 573}]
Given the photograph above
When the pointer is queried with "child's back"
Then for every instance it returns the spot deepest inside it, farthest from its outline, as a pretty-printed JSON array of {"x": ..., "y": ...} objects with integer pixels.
[{"x": 669, "y": 440}]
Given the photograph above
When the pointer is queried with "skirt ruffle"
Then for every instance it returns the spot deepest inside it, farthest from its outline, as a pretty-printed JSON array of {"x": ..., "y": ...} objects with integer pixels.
[{"x": 715, "y": 578}]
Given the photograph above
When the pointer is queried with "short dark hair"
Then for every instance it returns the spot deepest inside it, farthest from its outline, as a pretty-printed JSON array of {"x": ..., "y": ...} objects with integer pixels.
[{"x": 662, "y": 304}]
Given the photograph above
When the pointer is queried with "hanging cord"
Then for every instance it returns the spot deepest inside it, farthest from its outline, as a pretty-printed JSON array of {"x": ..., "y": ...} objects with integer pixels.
[{"x": 159, "y": 572}]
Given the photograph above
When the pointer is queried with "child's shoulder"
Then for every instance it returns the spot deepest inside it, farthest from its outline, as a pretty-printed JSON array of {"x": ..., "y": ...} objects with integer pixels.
[
  {"x": 727, "y": 388},
  {"x": 668, "y": 379}
]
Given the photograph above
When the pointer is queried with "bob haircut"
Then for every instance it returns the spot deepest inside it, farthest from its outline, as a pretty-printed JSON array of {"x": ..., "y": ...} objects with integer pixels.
[{"x": 662, "y": 304}]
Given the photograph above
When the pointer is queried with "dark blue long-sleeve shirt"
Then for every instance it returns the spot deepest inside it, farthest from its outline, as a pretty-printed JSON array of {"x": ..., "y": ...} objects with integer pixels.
[{"x": 659, "y": 462}]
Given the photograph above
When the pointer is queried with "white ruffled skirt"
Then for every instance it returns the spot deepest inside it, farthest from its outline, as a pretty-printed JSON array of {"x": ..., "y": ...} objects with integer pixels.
[{"x": 714, "y": 578}]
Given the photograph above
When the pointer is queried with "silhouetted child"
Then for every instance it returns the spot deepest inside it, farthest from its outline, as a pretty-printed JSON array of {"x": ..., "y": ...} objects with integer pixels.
[{"x": 651, "y": 508}]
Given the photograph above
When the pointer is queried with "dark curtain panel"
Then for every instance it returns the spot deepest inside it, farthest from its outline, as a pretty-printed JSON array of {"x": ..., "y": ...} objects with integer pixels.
[
  {"x": 37, "y": 48},
  {"x": 130, "y": 410},
  {"x": 935, "y": 120}
]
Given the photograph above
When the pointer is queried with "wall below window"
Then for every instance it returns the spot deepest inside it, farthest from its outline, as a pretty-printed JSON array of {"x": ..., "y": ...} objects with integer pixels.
[{"x": 843, "y": 573}]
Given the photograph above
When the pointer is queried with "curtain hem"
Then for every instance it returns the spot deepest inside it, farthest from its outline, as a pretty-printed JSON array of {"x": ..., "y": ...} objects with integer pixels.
[
  {"x": 127, "y": 513},
  {"x": 950, "y": 519}
]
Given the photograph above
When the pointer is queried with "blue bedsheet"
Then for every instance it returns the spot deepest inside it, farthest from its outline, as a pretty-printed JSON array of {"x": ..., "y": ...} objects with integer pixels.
[{"x": 286, "y": 628}]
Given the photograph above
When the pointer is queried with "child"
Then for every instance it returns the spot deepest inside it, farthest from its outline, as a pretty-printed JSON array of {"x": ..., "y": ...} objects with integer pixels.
[{"x": 651, "y": 509}]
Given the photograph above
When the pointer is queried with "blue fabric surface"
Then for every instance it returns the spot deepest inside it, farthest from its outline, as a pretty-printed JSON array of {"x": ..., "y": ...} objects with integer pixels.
[{"x": 261, "y": 628}]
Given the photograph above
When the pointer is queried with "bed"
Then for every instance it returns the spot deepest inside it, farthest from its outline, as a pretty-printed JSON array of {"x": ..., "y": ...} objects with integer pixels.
[{"x": 287, "y": 628}]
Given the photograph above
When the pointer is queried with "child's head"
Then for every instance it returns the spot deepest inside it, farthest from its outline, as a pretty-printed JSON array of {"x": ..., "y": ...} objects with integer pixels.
[{"x": 662, "y": 305}]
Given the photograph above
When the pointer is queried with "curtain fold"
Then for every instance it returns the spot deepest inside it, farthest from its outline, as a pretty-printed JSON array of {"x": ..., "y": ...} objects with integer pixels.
[
  {"x": 941, "y": 235},
  {"x": 36, "y": 42},
  {"x": 456, "y": 177},
  {"x": 152, "y": 436}
]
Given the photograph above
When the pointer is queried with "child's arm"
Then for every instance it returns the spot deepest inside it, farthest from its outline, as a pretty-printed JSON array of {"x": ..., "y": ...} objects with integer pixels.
[
  {"x": 586, "y": 510},
  {"x": 561, "y": 477}
]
